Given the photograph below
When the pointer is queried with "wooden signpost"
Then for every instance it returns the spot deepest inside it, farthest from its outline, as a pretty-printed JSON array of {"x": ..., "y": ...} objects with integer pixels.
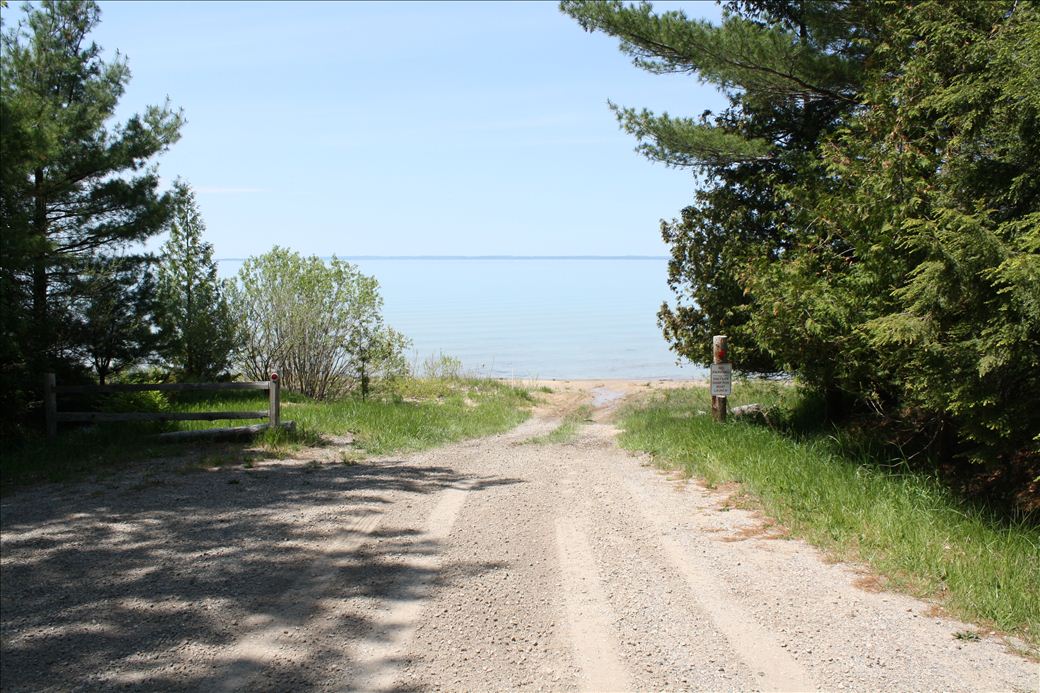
[
  {"x": 274, "y": 401},
  {"x": 721, "y": 377}
]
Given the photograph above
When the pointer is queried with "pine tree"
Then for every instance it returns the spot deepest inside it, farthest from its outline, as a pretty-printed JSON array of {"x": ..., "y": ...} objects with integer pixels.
[
  {"x": 79, "y": 186},
  {"x": 113, "y": 313},
  {"x": 791, "y": 71},
  {"x": 870, "y": 207},
  {"x": 198, "y": 334}
]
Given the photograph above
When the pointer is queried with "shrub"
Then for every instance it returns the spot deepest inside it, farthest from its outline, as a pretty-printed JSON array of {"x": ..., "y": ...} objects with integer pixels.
[{"x": 317, "y": 323}]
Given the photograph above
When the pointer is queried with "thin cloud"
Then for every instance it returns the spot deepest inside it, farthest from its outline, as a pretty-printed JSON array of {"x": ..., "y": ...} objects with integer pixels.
[{"x": 229, "y": 190}]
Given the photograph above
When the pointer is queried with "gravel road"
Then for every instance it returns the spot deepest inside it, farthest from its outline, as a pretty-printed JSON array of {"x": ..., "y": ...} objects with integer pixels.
[{"x": 492, "y": 564}]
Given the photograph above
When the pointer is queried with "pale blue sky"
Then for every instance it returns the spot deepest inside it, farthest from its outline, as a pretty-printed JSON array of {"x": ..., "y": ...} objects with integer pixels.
[{"x": 405, "y": 129}]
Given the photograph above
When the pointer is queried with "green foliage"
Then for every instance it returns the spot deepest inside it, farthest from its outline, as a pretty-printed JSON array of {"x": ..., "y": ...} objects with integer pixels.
[
  {"x": 922, "y": 267},
  {"x": 77, "y": 173},
  {"x": 74, "y": 185},
  {"x": 709, "y": 243},
  {"x": 114, "y": 302},
  {"x": 319, "y": 324},
  {"x": 790, "y": 74},
  {"x": 377, "y": 351},
  {"x": 147, "y": 401},
  {"x": 198, "y": 331},
  {"x": 870, "y": 215},
  {"x": 15, "y": 259},
  {"x": 442, "y": 366}
]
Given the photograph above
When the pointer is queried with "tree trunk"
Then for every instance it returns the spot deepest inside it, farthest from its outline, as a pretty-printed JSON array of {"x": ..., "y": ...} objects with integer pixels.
[
  {"x": 42, "y": 346},
  {"x": 364, "y": 381},
  {"x": 188, "y": 330}
]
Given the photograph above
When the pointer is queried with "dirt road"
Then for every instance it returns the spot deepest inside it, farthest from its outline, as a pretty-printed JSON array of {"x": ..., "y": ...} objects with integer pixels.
[{"x": 492, "y": 564}]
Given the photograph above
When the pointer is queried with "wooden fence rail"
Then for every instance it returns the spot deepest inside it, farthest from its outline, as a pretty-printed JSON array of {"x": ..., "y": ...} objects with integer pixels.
[{"x": 51, "y": 391}]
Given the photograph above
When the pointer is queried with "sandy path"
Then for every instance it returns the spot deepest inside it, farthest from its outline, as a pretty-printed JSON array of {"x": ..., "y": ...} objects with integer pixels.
[{"x": 486, "y": 565}]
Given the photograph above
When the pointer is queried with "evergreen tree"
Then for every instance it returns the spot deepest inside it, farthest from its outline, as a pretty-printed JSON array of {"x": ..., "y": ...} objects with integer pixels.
[
  {"x": 791, "y": 71},
  {"x": 113, "y": 313},
  {"x": 15, "y": 258},
  {"x": 871, "y": 208},
  {"x": 926, "y": 275},
  {"x": 194, "y": 317},
  {"x": 77, "y": 187}
]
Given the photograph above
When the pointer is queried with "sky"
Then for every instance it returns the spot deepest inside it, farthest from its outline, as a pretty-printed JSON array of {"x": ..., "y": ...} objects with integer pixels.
[{"x": 405, "y": 129}]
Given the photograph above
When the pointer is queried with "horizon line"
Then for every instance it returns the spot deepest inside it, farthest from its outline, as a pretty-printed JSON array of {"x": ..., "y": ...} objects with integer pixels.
[{"x": 475, "y": 257}]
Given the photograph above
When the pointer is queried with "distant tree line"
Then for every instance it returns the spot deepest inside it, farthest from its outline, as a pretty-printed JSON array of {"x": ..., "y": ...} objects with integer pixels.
[
  {"x": 869, "y": 218},
  {"x": 78, "y": 196}
]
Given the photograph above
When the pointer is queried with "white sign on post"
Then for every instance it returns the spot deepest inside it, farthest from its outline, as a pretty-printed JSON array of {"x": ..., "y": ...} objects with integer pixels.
[{"x": 721, "y": 379}]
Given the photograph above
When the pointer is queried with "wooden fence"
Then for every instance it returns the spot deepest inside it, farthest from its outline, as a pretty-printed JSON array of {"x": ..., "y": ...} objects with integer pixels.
[{"x": 51, "y": 391}]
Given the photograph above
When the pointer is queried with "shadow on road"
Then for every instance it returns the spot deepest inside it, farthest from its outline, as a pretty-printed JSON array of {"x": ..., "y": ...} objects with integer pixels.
[{"x": 134, "y": 587}]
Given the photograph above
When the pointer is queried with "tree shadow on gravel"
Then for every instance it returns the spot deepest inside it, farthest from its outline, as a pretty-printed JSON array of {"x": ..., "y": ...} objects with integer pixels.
[{"x": 132, "y": 587}]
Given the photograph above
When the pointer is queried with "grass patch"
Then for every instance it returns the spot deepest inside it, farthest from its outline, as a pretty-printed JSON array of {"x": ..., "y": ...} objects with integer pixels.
[
  {"x": 422, "y": 413},
  {"x": 848, "y": 498},
  {"x": 568, "y": 428}
]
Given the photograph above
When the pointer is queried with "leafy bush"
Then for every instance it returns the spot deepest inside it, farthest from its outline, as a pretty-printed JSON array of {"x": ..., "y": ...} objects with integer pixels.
[
  {"x": 147, "y": 401},
  {"x": 316, "y": 323},
  {"x": 442, "y": 366}
]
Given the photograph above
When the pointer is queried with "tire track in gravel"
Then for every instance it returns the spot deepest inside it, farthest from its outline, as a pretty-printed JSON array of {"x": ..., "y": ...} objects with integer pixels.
[
  {"x": 497, "y": 621},
  {"x": 842, "y": 636},
  {"x": 589, "y": 616},
  {"x": 264, "y": 642},
  {"x": 377, "y": 655},
  {"x": 667, "y": 640},
  {"x": 754, "y": 644},
  {"x": 490, "y": 564},
  {"x": 639, "y": 605}
]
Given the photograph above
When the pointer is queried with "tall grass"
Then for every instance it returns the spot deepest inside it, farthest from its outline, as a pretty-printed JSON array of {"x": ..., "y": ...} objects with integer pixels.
[
  {"x": 842, "y": 497},
  {"x": 420, "y": 413}
]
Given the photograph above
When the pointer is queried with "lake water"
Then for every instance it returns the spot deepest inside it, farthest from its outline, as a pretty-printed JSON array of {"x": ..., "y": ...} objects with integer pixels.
[{"x": 530, "y": 318}]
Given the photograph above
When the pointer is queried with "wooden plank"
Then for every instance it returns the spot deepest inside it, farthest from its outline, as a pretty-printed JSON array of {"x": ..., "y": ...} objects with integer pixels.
[
  {"x": 162, "y": 387},
  {"x": 102, "y": 417},
  {"x": 233, "y": 433}
]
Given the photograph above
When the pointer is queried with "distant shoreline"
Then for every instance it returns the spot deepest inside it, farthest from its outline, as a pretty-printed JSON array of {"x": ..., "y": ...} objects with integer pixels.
[
  {"x": 699, "y": 381},
  {"x": 477, "y": 257},
  {"x": 514, "y": 318}
]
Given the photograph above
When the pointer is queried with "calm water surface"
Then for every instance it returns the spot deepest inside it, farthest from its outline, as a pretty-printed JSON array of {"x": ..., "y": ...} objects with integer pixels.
[{"x": 530, "y": 318}]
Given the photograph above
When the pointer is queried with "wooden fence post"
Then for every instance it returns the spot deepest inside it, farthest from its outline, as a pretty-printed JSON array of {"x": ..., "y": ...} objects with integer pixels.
[
  {"x": 50, "y": 405},
  {"x": 274, "y": 402},
  {"x": 719, "y": 353}
]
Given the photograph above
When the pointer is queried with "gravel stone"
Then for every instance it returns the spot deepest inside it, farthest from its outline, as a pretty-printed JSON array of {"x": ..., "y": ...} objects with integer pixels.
[{"x": 491, "y": 564}]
